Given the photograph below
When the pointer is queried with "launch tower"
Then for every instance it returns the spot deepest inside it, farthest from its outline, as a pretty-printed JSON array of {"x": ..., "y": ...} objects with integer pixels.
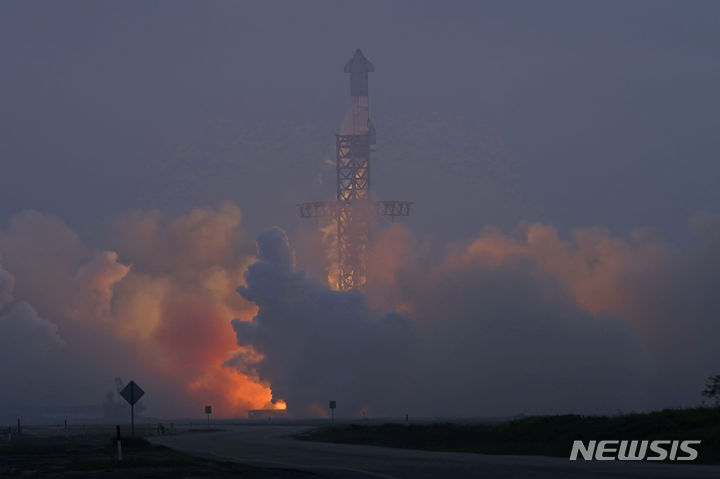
[{"x": 354, "y": 211}]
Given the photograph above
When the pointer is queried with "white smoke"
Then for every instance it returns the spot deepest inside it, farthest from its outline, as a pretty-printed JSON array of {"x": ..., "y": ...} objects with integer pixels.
[
  {"x": 528, "y": 322},
  {"x": 476, "y": 341},
  {"x": 314, "y": 340}
]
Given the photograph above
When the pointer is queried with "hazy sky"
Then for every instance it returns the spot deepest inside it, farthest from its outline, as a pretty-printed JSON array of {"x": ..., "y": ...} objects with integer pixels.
[
  {"x": 572, "y": 113},
  {"x": 221, "y": 115}
]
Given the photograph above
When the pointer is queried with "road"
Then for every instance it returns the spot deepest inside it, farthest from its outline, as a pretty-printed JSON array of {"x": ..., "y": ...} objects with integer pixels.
[{"x": 273, "y": 446}]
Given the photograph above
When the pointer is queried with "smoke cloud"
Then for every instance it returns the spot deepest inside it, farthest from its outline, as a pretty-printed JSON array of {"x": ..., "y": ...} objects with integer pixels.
[
  {"x": 503, "y": 324},
  {"x": 314, "y": 341},
  {"x": 197, "y": 312},
  {"x": 156, "y": 308},
  {"x": 474, "y": 340}
]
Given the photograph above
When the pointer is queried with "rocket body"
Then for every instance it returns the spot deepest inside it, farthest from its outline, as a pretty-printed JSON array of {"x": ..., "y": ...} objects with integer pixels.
[
  {"x": 358, "y": 67},
  {"x": 354, "y": 211},
  {"x": 357, "y": 118}
]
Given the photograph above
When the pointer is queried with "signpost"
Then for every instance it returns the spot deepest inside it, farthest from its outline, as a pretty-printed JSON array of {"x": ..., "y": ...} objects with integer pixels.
[
  {"x": 333, "y": 405},
  {"x": 208, "y": 411},
  {"x": 132, "y": 394}
]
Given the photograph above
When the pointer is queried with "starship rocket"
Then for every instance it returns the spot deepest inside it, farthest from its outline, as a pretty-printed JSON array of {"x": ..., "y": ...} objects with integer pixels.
[{"x": 357, "y": 119}]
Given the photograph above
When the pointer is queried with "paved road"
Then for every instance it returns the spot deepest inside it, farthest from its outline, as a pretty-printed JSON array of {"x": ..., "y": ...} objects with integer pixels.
[{"x": 273, "y": 446}]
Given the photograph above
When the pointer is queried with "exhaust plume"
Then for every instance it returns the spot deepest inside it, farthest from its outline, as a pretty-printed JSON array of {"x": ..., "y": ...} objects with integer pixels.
[{"x": 501, "y": 324}]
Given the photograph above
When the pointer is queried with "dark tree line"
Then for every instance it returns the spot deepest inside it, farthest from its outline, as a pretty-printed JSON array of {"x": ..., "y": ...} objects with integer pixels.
[{"x": 712, "y": 389}]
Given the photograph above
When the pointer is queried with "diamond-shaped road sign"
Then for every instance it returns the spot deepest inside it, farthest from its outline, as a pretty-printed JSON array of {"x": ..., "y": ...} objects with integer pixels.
[{"x": 132, "y": 393}]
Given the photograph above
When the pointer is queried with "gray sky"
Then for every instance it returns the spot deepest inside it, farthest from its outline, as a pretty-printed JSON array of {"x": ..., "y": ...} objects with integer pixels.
[
  {"x": 556, "y": 115},
  {"x": 570, "y": 113}
]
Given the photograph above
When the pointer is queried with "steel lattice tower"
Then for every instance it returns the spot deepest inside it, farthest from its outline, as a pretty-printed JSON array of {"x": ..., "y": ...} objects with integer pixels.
[{"x": 354, "y": 211}]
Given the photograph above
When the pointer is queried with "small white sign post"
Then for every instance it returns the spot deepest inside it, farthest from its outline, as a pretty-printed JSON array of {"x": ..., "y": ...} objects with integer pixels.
[{"x": 333, "y": 405}]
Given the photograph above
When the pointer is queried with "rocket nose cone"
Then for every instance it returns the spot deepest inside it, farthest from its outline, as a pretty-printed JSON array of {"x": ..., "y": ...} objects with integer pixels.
[
  {"x": 359, "y": 62},
  {"x": 359, "y": 56}
]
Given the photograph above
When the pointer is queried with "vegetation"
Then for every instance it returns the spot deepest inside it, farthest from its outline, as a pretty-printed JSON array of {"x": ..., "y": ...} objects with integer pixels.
[
  {"x": 540, "y": 435},
  {"x": 96, "y": 456},
  {"x": 712, "y": 389}
]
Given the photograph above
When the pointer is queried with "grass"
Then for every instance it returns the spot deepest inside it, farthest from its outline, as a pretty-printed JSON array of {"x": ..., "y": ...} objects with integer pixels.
[
  {"x": 96, "y": 456},
  {"x": 537, "y": 435}
]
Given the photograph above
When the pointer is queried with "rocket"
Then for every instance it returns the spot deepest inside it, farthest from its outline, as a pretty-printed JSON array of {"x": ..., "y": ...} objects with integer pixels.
[
  {"x": 357, "y": 119},
  {"x": 358, "y": 67},
  {"x": 354, "y": 210}
]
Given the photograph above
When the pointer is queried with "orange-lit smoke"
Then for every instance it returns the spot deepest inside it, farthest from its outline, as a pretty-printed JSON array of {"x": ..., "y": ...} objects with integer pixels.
[
  {"x": 328, "y": 231},
  {"x": 192, "y": 266},
  {"x": 166, "y": 288},
  {"x": 592, "y": 265},
  {"x": 159, "y": 297}
]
